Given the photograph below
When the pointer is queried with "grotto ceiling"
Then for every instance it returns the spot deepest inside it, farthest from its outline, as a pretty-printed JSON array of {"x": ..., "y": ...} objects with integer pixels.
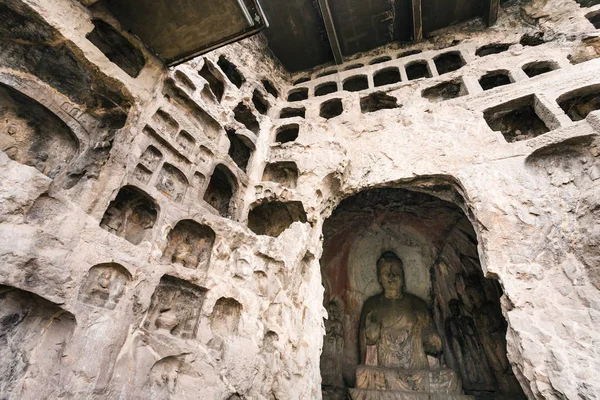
[{"x": 301, "y": 33}]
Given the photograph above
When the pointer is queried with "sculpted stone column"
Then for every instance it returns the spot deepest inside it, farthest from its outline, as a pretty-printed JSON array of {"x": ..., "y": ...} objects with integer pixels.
[{"x": 400, "y": 346}]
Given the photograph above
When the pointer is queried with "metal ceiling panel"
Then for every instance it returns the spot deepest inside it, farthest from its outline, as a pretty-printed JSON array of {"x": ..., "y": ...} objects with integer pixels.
[
  {"x": 365, "y": 25},
  {"x": 178, "y": 30},
  {"x": 296, "y": 33}
]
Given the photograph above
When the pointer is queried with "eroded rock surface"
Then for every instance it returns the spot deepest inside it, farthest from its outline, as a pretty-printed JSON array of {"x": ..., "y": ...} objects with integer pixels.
[{"x": 171, "y": 234}]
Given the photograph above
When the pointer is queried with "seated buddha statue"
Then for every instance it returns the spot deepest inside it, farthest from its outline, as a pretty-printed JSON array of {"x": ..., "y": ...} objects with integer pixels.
[{"x": 400, "y": 346}]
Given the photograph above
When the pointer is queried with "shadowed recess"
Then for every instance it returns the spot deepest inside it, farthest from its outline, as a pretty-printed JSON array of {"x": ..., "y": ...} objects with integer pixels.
[
  {"x": 116, "y": 48},
  {"x": 273, "y": 218}
]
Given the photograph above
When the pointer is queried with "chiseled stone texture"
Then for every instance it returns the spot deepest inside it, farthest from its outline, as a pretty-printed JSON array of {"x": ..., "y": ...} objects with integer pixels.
[{"x": 134, "y": 312}]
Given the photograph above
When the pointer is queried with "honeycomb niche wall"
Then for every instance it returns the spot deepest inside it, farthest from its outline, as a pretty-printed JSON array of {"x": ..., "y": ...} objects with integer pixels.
[{"x": 212, "y": 230}]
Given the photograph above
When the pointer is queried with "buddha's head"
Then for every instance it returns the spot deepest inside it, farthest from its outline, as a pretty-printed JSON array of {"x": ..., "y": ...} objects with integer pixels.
[
  {"x": 390, "y": 272},
  {"x": 454, "y": 306}
]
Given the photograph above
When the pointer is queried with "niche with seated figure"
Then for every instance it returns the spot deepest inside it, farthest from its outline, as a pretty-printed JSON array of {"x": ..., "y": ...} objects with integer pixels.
[
  {"x": 34, "y": 335},
  {"x": 221, "y": 189},
  {"x": 147, "y": 164},
  {"x": 32, "y": 135},
  {"x": 274, "y": 217},
  {"x": 175, "y": 308},
  {"x": 284, "y": 173},
  {"x": 104, "y": 285},
  {"x": 189, "y": 244},
  {"x": 410, "y": 314},
  {"x": 131, "y": 215},
  {"x": 172, "y": 183}
]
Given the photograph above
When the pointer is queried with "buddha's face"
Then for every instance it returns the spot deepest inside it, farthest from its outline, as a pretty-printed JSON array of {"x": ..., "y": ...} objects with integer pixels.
[{"x": 391, "y": 277}]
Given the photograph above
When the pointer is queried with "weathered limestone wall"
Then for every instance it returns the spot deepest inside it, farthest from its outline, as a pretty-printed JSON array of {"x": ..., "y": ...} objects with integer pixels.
[{"x": 140, "y": 255}]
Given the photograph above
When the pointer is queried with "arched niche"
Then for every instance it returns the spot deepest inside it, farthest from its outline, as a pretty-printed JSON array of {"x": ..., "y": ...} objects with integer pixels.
[
  {"x": 239, "y": 149},
  {"x": 175, "y": 308},
  {"x": 259, "y": 101},
  {"x": 437, "y": 246},
  {"x": 270, "y": 88},
  {"x": 243, "y": 114},
  {"x": 210, "y": 75},
  {"x": 578, "y": 103},
  {"x": 225, "y": 318},
  {"x": 172, "y": 183},
  {"x": 33, "y": 336},
  {"x": 104, "y": 285},
  {"x": 284, "y": 173},
  {"x": 32, "y": 135},
  {"x": 231, "y": 71},
  {"x": 274, "y": 217},
  {"x": 189, "y": 244},
  {"x": 221, "y": 190},
  {"x": 131, "y": 215}
]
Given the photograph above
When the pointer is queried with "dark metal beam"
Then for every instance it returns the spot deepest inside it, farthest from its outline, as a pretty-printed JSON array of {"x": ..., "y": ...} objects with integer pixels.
[
  {"x": 331, "y": 33},
  {"x": 417, "y": 19},
  {"x": 490, "y": 8}
]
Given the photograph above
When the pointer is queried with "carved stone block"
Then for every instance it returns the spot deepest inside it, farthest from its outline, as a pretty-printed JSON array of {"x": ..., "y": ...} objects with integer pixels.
[
  {"x": 104, "y": 285},
  {"x": 175, "y": 308}
]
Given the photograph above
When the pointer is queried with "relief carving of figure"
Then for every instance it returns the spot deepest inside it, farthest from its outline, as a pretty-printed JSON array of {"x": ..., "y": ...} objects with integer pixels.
[
  {"x": 489, "y": 322},
  {"x": 104, "y": 286},
  {"x": 466, "y": 346},
  {"x": 333, "y": 346},
  {"x": 399, "y": 344}
]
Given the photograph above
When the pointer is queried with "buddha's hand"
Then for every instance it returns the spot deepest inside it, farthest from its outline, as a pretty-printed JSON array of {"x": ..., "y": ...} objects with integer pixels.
[
  {"x": 372, "y": 329},
  {"x": 432, "y": 343}
]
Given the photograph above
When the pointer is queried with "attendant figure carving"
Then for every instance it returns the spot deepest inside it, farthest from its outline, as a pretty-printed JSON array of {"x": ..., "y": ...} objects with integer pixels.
[
  {"x": 492, "y": 327},
  {"x": 464, "y": 342}
]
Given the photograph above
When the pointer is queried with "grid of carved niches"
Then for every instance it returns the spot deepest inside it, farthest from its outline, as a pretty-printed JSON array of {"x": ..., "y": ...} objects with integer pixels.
[
  {"x": 451, "y": 85},
  {"x": 212, "y": 82},
  {"x": 433, "y": 65},
  {"x": 175, "y": 306}
]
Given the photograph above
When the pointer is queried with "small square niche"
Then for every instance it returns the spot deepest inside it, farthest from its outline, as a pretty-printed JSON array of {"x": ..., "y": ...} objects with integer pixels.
[
  {"x": 445, "y": 91},
  {"x": 520, "y": 119}
]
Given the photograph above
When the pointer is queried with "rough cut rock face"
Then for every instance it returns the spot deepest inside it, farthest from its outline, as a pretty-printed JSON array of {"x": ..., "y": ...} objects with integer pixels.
[{"x": 213, "y": 231}]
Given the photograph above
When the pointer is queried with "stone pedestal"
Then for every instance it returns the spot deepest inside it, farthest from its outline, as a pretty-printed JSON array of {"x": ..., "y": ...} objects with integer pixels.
[
  {"x": 366, "y": 394},
  {"x": 379, "y": 383}
]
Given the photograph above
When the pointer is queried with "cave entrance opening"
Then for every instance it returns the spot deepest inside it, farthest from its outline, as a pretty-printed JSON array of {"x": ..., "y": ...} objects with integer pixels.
[{"x": 447, "y": 322}]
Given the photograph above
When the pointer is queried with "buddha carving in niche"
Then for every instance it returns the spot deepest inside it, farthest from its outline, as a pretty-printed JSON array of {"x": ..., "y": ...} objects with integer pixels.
[{"x": 400, "y": 347}]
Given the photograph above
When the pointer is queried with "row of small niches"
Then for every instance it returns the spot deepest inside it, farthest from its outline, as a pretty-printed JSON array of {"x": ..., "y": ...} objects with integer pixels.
[
  {"x": 442, "y": 64},
  {"x": 534, "y": 39}
]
